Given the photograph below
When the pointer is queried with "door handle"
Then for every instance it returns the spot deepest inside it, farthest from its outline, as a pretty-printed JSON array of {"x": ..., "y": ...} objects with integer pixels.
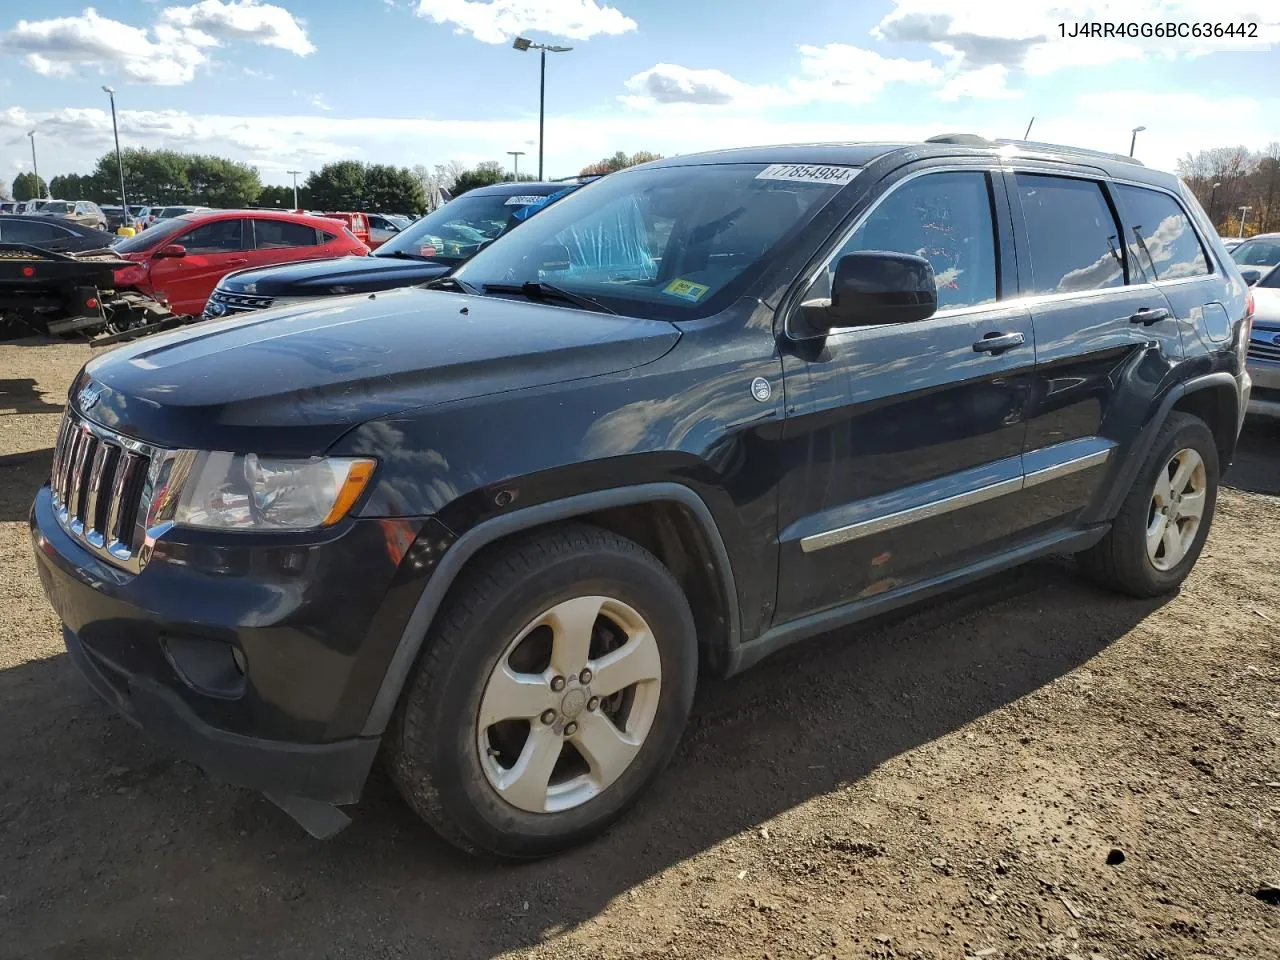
[
  {"x": 1149, "y": 315},
  {"x": 998, "y": 342}
]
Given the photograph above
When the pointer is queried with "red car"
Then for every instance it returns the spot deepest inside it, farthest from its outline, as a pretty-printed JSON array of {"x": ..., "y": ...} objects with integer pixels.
[{"x": 180, "y": 261}]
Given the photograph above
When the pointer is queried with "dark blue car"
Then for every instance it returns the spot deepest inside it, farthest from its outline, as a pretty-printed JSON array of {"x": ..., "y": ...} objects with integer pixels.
[{"x": 428, "y": 249}]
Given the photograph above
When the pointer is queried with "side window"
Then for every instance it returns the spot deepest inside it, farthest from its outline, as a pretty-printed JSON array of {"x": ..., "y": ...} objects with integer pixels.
[
  {"x": 327, "y": 237},
  {"x": 21, "y": 231},
  {"x": 274, "y": 234},
  {"x": 221, "y": 236},
  {"x": 1072, "y": 236},
  {"x": 1162, "y": 243},
  {"x": 945, "y": 218}
]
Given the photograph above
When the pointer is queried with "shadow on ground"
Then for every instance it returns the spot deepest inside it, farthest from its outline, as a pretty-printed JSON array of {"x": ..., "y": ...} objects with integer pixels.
[
  {"x": 1256, "y": 467},
  {"x": 22, "y": 396},
  {"x": 21, "y": 475},
  {"x": 123, "y": 851}
]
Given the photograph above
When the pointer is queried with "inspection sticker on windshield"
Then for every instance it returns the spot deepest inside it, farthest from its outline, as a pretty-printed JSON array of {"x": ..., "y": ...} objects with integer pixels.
[
  {"x": 808, "y": 173},
  {"x": 686, "y": 290},
  {"x": 524, "y": 201}
]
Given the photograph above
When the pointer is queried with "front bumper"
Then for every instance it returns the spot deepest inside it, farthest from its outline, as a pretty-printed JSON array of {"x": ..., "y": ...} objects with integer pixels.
[
  {"x": 327, "y": 773},
  {"x": 1264, "y": 401},
  {"x": 257, "y": 658}
]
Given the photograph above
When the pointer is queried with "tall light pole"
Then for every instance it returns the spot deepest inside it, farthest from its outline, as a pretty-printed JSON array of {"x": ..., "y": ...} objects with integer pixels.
[
  {"x": 522, "y": 44},
  {"x": 294, "y": 174},
  {"x": 32, "y": 135},
  {"x": 1244, "y": 212},
  {"x": 1213, "y": 196},
  {"x": 1133, "y": 140},
  {"x": 124, "y": 203},
  {"x": 515, "y": 162}
]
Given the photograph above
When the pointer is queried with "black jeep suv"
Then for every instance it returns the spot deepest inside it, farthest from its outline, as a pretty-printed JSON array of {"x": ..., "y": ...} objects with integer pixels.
[{"x": 693, "y": 412}]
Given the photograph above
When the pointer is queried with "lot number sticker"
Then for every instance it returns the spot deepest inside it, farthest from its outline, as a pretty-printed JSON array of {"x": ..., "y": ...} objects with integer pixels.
[
  {"x": 686, "y": 290},
  {"x": 523, "y": 201},
  {"x": 808, "y": 173}
]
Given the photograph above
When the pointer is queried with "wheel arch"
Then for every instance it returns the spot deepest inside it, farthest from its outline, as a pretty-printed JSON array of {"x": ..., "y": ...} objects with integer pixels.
[
  {"x": 668, "y": 519},
  {"x": 1213, "y": 397}
]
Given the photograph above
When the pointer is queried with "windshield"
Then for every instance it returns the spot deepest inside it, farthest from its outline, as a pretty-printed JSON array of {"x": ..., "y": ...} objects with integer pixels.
[
  {"x": 455, "y": 231},
  {"x": 57, "y": 207},
  {"x": 1259, "y": 252},
  {"x": 151, "y": 236},
  {"x": 665, "y": 242}
]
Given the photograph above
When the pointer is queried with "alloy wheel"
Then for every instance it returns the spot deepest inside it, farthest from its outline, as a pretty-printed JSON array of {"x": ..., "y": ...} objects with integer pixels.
[
  {"x": 568, "y": 705},
  {"x": 1177, "y": 506}
]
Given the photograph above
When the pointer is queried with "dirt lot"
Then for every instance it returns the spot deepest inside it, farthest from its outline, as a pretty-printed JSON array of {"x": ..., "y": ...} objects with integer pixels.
[{"x": 1035, "y": 769}]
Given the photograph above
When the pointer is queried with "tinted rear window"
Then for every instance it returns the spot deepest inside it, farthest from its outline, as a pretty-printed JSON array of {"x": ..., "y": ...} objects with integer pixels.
[
  {"x": 1162, "y": 243},
  {"x": 1073, "y": 238}
]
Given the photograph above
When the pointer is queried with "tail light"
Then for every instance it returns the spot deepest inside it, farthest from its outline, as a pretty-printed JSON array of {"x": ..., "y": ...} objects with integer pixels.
[{"x": 1246, "y": 329}]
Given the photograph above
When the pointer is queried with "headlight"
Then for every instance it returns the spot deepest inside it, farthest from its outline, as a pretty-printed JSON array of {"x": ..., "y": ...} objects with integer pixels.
[{"x": 228, "y": 491}]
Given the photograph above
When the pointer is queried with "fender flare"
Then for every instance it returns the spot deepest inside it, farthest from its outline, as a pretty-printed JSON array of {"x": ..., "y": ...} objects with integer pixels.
[
  {"x": 1142, "y": 445},
  {"x": 483, "y": 534}
]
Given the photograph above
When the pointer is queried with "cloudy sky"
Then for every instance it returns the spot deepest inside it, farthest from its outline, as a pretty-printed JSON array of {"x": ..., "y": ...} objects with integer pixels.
[{"x": 297, "y": 83}]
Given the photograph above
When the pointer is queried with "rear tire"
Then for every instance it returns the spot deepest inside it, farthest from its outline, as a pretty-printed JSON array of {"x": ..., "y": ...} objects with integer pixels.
[
  {"x": 507, "y": 690},
  {"x": 1162, "y": 525}
]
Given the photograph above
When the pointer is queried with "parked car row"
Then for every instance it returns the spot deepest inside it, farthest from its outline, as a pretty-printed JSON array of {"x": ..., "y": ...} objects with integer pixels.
[{"x": 490, "y": 530}]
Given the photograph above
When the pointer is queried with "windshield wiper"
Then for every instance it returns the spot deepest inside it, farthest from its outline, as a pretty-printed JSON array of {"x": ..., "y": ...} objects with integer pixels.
[
  {"x": 402, "y": 255},
  {"x": 538, "y": 290},
  {"x": 451, "y": 283}
]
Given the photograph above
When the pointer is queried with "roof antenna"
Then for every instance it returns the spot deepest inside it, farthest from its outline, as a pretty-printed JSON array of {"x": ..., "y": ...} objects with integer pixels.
[{"x": 1028, "y": 133}]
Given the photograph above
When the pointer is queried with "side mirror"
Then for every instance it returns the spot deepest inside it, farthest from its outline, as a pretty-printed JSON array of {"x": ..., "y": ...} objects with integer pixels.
[
  {"x": 172, "y": 250},
  {"x": 1251, "y": 275},
  {"x": 872, "y": 288}
]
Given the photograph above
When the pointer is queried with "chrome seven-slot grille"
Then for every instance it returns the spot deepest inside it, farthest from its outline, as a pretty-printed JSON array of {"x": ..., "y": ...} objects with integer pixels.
[
  {"x": 99, "y": 483},
  {"x": 1258, "y": 350}
]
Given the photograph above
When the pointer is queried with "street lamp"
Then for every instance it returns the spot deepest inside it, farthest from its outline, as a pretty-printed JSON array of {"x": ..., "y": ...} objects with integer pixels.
[
  {"x": 522, "y": 44},
  {"x": 1133, "y": 140},
  {"x": 1244, "y": 212},
  {"x": 1213, "y": 196},
  {"x": 515, "y": 161},
  {"x": 294, "y": 174},
  {"x": 124, "y": 203},
  {"x": 34, "y": 166}
]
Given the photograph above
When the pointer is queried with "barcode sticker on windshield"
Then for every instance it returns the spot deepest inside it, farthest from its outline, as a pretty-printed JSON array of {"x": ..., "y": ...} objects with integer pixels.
[
  {"x": 808, "y": 173},
  {"x": 524, "y": 201}
]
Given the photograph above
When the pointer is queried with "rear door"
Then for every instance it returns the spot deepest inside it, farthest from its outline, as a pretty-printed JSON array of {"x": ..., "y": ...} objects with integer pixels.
[
  {"x": 904, "y": 442},
  {"x": 1106, "y": 340},
  {"x": 284, "y": 241},
  {"x": 213, "y": 249},
  {"x": 1164, "y": 250}
]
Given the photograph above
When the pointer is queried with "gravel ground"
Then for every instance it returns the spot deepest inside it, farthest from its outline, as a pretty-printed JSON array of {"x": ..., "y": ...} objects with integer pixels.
[{"x": 1036, "y": 769}]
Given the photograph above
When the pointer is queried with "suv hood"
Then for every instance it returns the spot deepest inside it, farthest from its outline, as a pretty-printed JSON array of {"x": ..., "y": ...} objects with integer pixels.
[
  {"x": 326, "y": 278},
  {"x": 291, "y": 381}
]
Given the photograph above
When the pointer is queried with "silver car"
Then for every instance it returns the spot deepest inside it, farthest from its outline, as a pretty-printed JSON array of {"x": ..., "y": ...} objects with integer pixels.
[{"x": 1264, "y": 347}]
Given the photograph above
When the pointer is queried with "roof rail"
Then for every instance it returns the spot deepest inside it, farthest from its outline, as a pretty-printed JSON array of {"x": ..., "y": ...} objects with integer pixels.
[{"x": 973, "y": 140}]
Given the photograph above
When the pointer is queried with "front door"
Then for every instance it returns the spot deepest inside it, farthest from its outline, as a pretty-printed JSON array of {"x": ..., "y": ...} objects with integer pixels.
[
  {"x": 213, "y": 250},
  {"x": 904, "y": 442},
  {"x": 1106, "y": 340}
]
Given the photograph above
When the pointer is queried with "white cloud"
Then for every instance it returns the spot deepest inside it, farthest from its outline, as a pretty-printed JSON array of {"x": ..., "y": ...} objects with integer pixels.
[
  {"x": 167, "y": 54},
  {"x": 498, "y": 21},
  {"x": 836, "y": 72},
  {"x": 1026, "y": 34},
  {"x": 57, "y": 47},
  {"x": 984, "y": 83},
  {"x": 258, "y": 74},
  {"x": 671, "y": 83},
  {"x": 249, "y": 20},
  {"x": 320, "y": 103},
  {"x": 851, "y": 74}
]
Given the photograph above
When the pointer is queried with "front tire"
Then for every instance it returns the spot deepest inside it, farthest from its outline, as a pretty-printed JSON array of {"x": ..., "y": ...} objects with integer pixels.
[
  {"x": 1162, "y": 525},
  {"x": 552, "y": 689}
]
